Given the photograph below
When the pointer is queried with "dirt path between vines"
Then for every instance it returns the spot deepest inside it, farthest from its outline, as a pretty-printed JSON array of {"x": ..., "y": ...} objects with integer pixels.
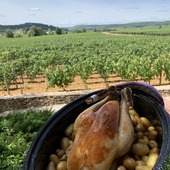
[
  {"x": 116, "y": 34},
  {"x": 39, "y": 85}
]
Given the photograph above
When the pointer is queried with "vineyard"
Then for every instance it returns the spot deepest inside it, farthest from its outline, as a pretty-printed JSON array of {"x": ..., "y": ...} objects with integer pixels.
[
  {"x": 150, "y": 30},
  {"x": 83, "y": 60}
]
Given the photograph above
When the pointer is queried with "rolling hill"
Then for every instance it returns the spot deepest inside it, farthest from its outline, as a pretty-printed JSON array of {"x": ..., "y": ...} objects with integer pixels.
[
  {"x": 87, "y": 27},
  {"x": 26, "y": 26}
]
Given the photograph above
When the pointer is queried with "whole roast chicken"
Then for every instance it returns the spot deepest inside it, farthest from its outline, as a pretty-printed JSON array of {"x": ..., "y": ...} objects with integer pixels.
[{"x": 103, "y": 132}]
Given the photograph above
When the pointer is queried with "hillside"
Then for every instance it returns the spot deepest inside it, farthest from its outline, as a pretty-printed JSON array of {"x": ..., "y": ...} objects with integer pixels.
[
  {"x": 120, "y": 26},
  {"x": 26, "y": 26},
  {"x": 87, "y": 27}
]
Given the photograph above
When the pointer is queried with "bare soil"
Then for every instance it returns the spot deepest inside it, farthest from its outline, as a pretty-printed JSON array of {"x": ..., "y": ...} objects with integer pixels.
[
  {"x": 39, "y": 85},
  {"x": 118, "y": 34}
]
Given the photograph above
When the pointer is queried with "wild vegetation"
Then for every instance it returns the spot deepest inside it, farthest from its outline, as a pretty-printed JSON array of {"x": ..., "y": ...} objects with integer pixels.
[{"x": 17, "y": 132}]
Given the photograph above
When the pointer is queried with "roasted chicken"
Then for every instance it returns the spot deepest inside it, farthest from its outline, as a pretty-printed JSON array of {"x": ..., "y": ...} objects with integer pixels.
[{"x": 103, "y": 132}]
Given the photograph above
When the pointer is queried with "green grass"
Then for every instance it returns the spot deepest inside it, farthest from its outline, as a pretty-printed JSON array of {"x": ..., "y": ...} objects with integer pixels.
[
  {"x": 17, "y": 132},
  {"x": 149, "y": 30}
]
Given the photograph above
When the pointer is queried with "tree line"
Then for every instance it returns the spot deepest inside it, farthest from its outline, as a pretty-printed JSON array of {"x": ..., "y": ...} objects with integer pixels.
[{"x": 34, "y": 31}]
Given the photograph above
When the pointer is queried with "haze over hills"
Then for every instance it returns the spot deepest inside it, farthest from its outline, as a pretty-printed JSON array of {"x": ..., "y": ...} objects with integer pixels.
[{"x": 87, "y": 27}]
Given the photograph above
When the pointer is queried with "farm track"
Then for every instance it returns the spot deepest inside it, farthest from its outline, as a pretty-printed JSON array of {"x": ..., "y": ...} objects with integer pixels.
[{"x": 116, "y": 34}]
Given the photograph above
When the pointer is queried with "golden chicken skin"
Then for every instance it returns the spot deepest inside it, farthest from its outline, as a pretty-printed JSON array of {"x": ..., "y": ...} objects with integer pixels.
[{"x": 103, "y": 132}]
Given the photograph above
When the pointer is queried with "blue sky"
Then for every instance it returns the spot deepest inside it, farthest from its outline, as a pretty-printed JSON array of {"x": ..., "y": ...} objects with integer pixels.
[{"x": 64, "y": 13}]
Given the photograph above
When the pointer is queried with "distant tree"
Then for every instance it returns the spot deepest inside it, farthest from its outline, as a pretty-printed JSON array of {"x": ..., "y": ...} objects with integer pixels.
[
  {"x": 95, "y": 30},
  {"x": 64, "y": 31},
  {"x": 34, "y": 31},
  {"x": 41, "y": 31},
  {"x": 49, "y": 32},
  {"x": 80, "y": 30},
  {"x": 25, "y": 30},
  {"x": 58, "y": 30},
  {"x": 83, "y": 30},
  {"x": 18, "y": 33},
  {"x": 9, "y": 33},
  {"x": 30, "y": 33}
]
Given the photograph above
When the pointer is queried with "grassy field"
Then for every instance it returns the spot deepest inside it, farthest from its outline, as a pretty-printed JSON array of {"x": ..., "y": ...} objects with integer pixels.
[{"x": 147, "y": 30}]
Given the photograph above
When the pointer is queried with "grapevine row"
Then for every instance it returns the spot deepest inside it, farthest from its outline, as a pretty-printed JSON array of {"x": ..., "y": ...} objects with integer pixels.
[{"x": 61, "y": 58}]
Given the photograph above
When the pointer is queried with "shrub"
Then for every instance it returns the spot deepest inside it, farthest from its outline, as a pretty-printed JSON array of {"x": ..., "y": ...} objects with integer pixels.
[
  {"x": 9, "y": 33},
  {"x": 17, "y": 132}
]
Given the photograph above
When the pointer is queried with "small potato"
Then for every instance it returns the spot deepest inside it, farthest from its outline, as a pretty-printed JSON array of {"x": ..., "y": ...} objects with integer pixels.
[
  {"x": 69, "y": 130},
  {"x": 152, "y": 160},
  {"x": 145, "y": 138},
  {"x": 156, "y": 122},
  {"x": 54, "y": 158},
  {"x": 153, "y": 144},
  {"x": 142, "y": 167},
  {"x": 129, "y": 163},
  {"x": 142, "y": 141},
  {"x": 145, "y": 158},
  {"x": 136, "y": 157},
  {"x": 153, "y": 135},
  {"x": 60, "y": 152},
  {"x": 121, "y": 168},
  {"x": 137, "y": 119},
  {"x": 140, "y": 162},
  {"x": 62, "y": 165},
  {"x": 133, "y": 112},
  {"x": 158, "y": 128},
  {"x": 144, "y": 121},
  {"x": 139, "y": 135},
  {"x": 134, "y": 121},
  {"x": 140, "y": 128},
  {"x": 51, "y": 166},
  {"x": 151, "y": 128},
  {"x": 64, "y": 143},
  {"x": 140, "y": 149}
]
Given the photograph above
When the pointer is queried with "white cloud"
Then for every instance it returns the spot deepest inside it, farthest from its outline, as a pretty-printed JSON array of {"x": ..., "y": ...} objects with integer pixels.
[{"x": 35, "y": 9}]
